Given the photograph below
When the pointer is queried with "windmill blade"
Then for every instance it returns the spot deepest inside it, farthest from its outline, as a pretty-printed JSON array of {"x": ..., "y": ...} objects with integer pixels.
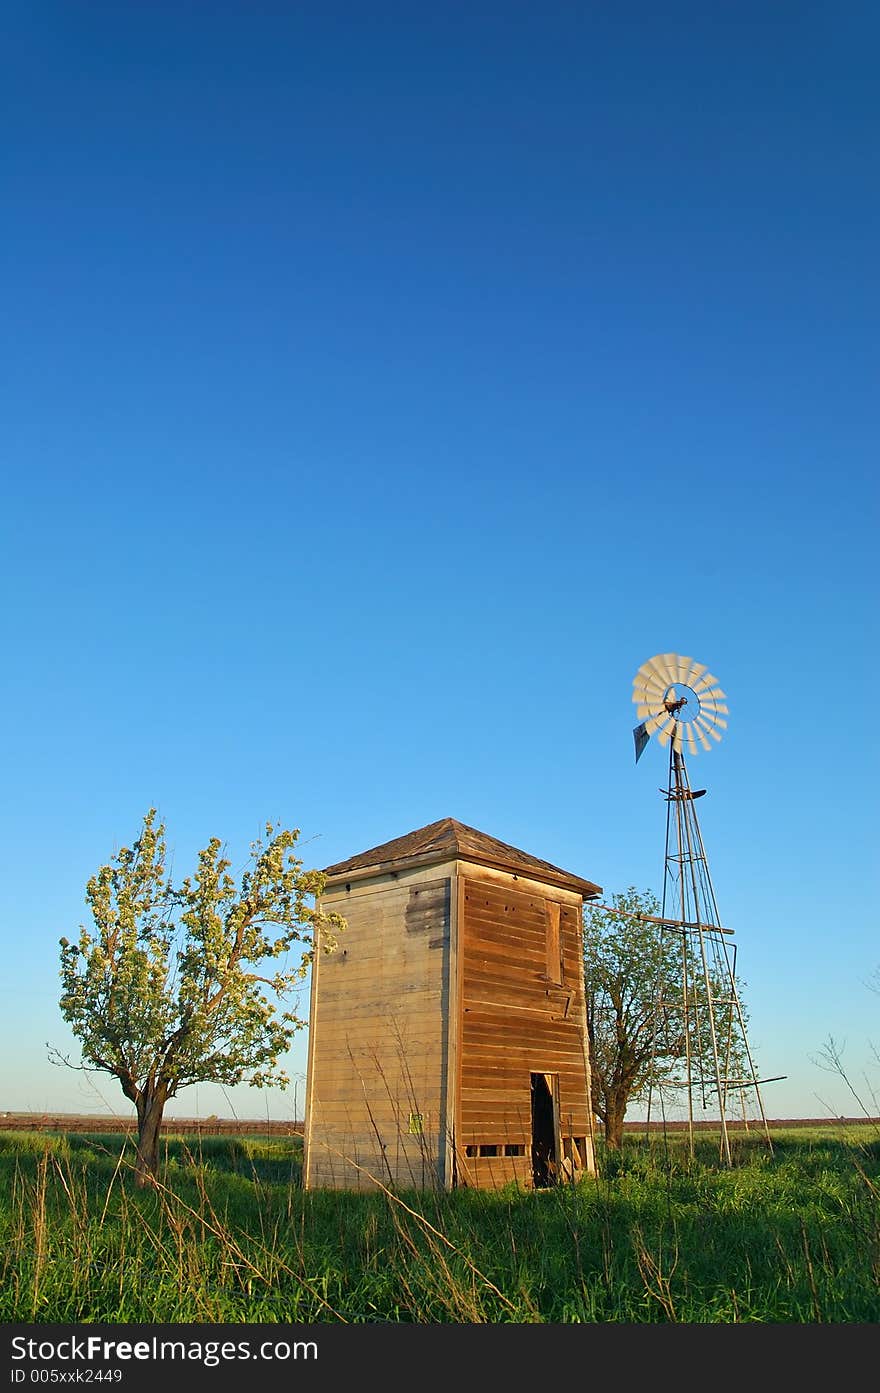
[
  {"x": 647, "y": 673},
  {"x": 677, "y": 738},
  {"x": 710, "y": 719},
  {"x": 644, "y": 672},
  {"x": 682, "y": 668},
  {"x": 648, "y": 687},
  {"x": 665, "y": 729},
  {"x": 648, "y": 708},
  {"x": 649, "y": 690},
  {"x": 689, "y": 737},
  {"x": 714, "y": 695},
  {"x": 668, "y": 663},
  {"x": 655, "y": 708},
  {"x": 654, "y": 699},
  {"x": 707, "y": 728},
  {"x": 652, "y": 684},
  {"x": 650, "y": 667},
  {"x": 695, "y": 671},
  {"x": 657, "y": 722},
  {"x": 715, "y": 707},
  {"x": 706, "y": 683},
  {"x": 660, "y": 670},
  {"x": 652, "y": 695},
  {"x": 701, "y": 737},
  {"x": 641, "y": 687}
]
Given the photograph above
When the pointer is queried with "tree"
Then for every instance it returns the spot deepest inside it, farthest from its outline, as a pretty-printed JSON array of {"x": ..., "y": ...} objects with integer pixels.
[
  {"x": 637, "y": 1027},
  {"x": 626, "y": 963},
  {"x": 166, "y": 989}
]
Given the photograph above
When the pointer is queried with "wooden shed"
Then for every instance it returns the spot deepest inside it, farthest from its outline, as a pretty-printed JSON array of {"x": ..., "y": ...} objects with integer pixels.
[{"x": 447, "y": 1033}]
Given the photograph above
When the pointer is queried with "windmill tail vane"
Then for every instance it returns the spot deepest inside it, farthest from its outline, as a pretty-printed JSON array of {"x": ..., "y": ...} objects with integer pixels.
[{"x": 641, "y": 738}]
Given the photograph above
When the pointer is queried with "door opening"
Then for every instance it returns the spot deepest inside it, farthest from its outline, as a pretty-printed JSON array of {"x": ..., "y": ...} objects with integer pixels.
[{"x": 545, "y": 1129}]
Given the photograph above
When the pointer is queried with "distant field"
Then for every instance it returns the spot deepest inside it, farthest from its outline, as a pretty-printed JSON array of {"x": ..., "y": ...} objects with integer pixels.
[
  {"x": 224, "y": 1126},
  {"x": 180, "y": 1126}
]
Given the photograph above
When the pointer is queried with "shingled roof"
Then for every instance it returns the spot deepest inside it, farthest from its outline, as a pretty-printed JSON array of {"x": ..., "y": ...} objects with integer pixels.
[{"x": 449, "y": 838}]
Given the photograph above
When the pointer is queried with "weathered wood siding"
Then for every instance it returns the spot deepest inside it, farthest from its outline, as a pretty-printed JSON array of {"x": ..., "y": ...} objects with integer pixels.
[
  {"x": 520, "y": 1014},
  {"x": 378, "y": 1036}
]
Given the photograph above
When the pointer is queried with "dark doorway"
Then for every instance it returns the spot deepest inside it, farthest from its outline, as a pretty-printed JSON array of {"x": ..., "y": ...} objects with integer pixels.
[{"x": 544, "y": 1129}]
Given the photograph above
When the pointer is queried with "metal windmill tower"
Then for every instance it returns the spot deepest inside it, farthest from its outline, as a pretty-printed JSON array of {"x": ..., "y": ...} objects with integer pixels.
[{"x": 681, "y": 702}]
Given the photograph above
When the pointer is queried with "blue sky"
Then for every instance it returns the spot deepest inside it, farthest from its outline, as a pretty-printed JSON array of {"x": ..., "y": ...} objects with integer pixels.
[{"x": 382, "y": 385}]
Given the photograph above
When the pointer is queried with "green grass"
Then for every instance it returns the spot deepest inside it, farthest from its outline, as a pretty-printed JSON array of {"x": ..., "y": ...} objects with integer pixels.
[{"x": 231, "y": 1237}]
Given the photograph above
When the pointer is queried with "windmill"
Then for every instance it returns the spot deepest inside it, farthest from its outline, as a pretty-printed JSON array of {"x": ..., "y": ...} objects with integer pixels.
[{"x": 680, "y": 702}]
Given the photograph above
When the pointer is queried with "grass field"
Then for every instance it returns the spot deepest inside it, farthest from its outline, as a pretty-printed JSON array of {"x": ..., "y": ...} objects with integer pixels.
[{"x": 229, "y": 1236}]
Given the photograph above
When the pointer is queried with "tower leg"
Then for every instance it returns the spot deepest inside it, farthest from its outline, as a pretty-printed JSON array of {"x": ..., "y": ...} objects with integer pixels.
[{"x": 717, "y": 1060}]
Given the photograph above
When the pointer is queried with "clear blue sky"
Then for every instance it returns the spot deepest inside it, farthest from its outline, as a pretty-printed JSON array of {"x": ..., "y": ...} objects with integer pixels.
[{"x": 382, "y": 385}]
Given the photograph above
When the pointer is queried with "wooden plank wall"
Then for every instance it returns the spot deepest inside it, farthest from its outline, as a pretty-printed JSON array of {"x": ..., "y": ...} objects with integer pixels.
[
  {"x": 515, "y": 1021},
  {"x": 378, "y": 1037}
]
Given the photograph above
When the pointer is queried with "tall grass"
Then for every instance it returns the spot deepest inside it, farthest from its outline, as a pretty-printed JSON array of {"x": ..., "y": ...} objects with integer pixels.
[{"x": 229, "y": 1236}]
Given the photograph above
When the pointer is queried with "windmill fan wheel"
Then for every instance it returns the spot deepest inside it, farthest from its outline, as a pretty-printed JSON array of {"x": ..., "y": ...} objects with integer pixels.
[{"x": 680, "y": 701}]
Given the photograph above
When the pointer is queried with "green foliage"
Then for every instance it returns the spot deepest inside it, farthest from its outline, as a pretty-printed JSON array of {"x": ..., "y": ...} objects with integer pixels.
[
  {"x": 637, "y": 1026},
  {"x": 170, "y": 986},
  {"x": 626, "y": 964}
]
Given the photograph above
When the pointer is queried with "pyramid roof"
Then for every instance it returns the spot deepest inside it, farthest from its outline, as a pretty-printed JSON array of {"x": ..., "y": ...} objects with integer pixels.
[{"x": 449, "y": 839}]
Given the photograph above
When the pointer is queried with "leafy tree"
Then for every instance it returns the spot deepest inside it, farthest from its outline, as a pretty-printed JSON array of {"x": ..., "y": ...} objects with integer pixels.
[
  {"x": 636, "y": 1024},
  {"x": 166, "y": 989},
  {"x": 626, "y": 963}
]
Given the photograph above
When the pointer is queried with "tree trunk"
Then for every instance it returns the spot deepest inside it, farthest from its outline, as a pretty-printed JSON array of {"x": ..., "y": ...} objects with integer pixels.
[
  {"x": 614, "y": 1115},
  {"x": 149, "y": 1113}
]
